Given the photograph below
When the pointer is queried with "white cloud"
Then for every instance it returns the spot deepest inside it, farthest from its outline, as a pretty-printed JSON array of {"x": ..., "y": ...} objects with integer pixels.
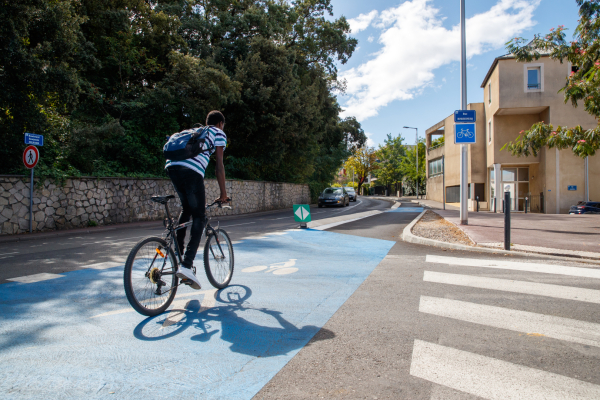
[
  {"x": 415, "y": 44},
  {"x": 370, "y": 141},
  {"x": 370, "y": 39},
  {"x": 362, "y": 22}
]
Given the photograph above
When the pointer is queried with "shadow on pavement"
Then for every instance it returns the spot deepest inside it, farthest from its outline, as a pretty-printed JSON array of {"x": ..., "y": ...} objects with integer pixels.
[{"x": 246, "y": 337}]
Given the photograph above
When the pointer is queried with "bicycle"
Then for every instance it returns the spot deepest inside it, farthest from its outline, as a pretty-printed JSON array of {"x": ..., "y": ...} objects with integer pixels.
[{"x": 150, "y": 278}]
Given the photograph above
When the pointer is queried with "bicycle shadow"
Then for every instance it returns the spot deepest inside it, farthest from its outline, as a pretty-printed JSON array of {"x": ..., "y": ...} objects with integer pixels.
[{"x": 277, "y": 337}]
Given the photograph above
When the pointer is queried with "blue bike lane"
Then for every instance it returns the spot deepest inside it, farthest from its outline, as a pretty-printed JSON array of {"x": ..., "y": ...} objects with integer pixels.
[{"x": 77, "y": 337}]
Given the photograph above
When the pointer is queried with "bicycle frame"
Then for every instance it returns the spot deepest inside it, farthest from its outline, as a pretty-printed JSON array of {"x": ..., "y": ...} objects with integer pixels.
[{"x": 171, "y": 239}]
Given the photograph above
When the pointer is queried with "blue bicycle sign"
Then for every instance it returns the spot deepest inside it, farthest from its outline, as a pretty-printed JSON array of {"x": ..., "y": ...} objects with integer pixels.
[{"x": 464, "y": 134}]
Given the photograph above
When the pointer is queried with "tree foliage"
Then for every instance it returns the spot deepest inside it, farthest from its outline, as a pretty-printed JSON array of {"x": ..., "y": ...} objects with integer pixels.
[
  {"x": 581, "y": 86},
  {"x": 107, "y": 80},
  {"x": 390, "y": 157},
  {"x": 409, "y": 168},
  {"x": 363, "y": 161}
]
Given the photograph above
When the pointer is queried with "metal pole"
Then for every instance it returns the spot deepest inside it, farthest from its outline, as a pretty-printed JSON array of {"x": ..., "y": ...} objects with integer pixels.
[
  {"x": 507, "y": 221},
  {"x": 417, "y": 130},
  {"x": 444, "y": 179},
  {"x": 587, "y": 179},
  {"x": 464, "y": 209},
  {"x": 31, "y": 203}
]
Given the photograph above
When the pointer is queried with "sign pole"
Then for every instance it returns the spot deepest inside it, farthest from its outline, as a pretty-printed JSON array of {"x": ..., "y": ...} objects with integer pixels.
[
  {"x": 31, "y": 203},
  {"x": 464, "y": 210}
]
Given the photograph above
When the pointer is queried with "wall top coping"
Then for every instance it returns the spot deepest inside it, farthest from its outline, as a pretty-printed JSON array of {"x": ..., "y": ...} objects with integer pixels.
[{"x": 95, "y": 178}]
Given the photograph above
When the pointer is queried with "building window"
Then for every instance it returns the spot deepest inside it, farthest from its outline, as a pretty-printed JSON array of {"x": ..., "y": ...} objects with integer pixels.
[
  {"x": 436, "y": 167},
  {"x": 490, "y": 131},
  {"x": 534, "y": 77},
  {"x": 490, "y": 93}
]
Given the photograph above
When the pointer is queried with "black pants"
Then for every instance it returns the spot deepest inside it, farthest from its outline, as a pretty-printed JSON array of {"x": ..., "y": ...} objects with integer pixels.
[{"x": 190, "y": 188}]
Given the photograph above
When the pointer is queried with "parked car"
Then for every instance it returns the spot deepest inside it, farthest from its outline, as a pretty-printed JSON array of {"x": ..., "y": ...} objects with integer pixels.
[
  {"x": 585, "y": 207},
  {"x": 351, "y": 193},
  {"x": 334, "y": 197}
]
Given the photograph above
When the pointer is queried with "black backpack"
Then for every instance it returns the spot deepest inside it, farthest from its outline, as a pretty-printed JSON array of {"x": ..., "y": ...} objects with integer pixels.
[{"x": 186, "y": 144}]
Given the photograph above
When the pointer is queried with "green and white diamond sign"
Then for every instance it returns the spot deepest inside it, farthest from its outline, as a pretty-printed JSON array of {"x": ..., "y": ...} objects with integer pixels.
[{"x": 302, "y": 213}]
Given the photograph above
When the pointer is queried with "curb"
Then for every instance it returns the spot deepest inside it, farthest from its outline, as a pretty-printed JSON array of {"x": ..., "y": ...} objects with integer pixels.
[{"x": 408, "y": 236}]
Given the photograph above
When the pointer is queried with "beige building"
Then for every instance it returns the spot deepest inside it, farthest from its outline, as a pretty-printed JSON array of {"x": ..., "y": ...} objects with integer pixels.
[{"x": 516, "y": 95}]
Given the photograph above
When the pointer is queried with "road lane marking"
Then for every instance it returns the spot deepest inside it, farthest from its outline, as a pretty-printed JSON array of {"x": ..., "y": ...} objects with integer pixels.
[
  {"x": 493, "y": 379},
  {"x": 104, "y": 265},
  {"x": 44, "y": 276},
  {"x": 516, "y": 266},
  {"x": 533, "y": 288},
  {"x": 245, "y": 223},
  {"x": 571, "y": 330},
  {"x": 177, "y": 297},
  {"x": 342, "y": 220}
]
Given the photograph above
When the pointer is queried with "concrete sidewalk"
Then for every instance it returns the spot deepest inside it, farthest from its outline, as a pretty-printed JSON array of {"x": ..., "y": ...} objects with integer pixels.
[{"x": 575, "y": 235}]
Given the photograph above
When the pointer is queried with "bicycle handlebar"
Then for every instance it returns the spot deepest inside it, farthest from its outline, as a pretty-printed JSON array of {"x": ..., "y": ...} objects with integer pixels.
[{"x": 220, "y": 204}]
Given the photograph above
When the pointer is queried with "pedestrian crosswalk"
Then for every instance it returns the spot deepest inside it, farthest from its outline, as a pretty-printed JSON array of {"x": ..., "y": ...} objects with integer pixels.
[{"x": 493, "y": 378}]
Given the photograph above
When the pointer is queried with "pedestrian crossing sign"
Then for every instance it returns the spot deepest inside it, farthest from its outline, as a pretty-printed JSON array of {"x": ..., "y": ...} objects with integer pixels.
[{"x": 302, "y": 213}]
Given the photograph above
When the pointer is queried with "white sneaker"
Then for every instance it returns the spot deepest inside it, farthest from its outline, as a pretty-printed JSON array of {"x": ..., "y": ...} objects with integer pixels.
[{"x": 187, "y": 273}]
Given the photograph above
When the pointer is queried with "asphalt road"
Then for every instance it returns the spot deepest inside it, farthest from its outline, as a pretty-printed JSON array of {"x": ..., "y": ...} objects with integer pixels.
[
  {"x": 58, "y": 254},
  {"x": 459, "y": 335},
  {"x": 388, "y": 319}
]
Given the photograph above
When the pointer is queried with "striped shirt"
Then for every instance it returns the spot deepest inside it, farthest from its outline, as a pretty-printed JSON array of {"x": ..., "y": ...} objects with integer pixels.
[{"x": 215, "y": 138}]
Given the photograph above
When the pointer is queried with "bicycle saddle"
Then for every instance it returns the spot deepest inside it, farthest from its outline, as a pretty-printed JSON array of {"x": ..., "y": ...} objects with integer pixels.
[{"x": 162, "y": 199}]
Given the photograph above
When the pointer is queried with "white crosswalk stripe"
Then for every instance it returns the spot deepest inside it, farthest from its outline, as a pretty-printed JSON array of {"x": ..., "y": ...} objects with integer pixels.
[
  {"x": 516, "y": 266},
  {"x": 520, "y": 321},
  {"x": 539, "y": 289},
  {"x": 490, "y": 378},
  {"x": 494, "y": 379}
]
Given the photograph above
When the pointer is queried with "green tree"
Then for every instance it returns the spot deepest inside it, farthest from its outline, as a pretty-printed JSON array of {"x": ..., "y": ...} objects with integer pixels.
[
  {"x": 42, "y": 49},
  {"x": 390, "y": 157},
  {"x": 363, "y": 161},
  {"x": 581, "y": 86},
  {"x": 409, "y": 166}
]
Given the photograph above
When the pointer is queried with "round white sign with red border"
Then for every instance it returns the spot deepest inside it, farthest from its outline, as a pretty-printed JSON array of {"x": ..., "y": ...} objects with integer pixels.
[{"x": 31, "y": 155}]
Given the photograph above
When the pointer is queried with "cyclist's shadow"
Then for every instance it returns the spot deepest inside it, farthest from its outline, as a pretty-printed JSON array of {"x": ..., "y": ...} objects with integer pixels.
[{"x": 246, "y": 337}]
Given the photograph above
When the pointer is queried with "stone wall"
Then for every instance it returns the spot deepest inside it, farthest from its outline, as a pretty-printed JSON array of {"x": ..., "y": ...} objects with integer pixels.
[{"x": 82, "y": 202}]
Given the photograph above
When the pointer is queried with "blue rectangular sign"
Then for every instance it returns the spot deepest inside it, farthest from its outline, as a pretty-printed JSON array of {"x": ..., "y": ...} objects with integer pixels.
[
  {"x": 572, "y": 188},
  {"x": 464, "y": 134},
  {"x": 461, "y": 116},
  {"x": 32, "y": 138}
]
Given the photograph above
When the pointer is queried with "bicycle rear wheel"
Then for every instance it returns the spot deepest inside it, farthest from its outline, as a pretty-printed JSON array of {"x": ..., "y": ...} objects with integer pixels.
[
  {"x": 149, "y": 276},
  {"x": 218, "y": 259}
]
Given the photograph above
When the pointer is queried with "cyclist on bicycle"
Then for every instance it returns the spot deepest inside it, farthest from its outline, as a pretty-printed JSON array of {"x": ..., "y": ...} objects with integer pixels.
[{"x": 188, "y": 179}]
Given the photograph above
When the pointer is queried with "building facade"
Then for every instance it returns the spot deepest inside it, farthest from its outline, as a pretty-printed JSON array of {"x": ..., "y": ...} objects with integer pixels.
[{"x": 516, "y": 95}]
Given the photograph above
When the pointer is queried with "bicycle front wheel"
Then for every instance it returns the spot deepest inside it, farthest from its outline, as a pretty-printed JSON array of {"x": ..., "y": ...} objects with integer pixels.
[
  {"x": 149, "y": 277},
  {"x": 218, "y": 259}
]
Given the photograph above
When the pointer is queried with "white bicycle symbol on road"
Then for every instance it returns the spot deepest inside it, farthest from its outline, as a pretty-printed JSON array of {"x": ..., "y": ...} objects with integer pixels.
[{"x": 465, "y": 133}]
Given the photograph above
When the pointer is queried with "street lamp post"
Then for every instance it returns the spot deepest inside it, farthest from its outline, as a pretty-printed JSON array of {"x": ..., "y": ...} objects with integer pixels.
[
  {"x": 464, "y": 209},
  {"x": 417, "y": 151}
]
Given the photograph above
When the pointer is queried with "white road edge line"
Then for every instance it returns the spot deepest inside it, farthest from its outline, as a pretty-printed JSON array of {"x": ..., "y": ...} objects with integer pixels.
[
  {"x": 493, "y": 379},
  {"x": 44, "y": 276},
  {"x": 533, "y": 288},
  {"x": 570, "y": 330},
  {"x": 129, "y": 309},
  {"x": 245, "y": 223},
  {"x": 323, "y": 227},
  {"x": 516, "y": 266}
]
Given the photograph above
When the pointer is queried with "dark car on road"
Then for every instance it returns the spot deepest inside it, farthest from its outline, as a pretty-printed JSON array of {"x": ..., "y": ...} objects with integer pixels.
[
  {"x": 585, "y": 207},
  {"x": 351, "y": 193},
  {"x": 334, "y": 197}
]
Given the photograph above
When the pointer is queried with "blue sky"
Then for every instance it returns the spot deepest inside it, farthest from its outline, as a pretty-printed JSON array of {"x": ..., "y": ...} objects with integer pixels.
[{"x": 405, "y": 70}]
